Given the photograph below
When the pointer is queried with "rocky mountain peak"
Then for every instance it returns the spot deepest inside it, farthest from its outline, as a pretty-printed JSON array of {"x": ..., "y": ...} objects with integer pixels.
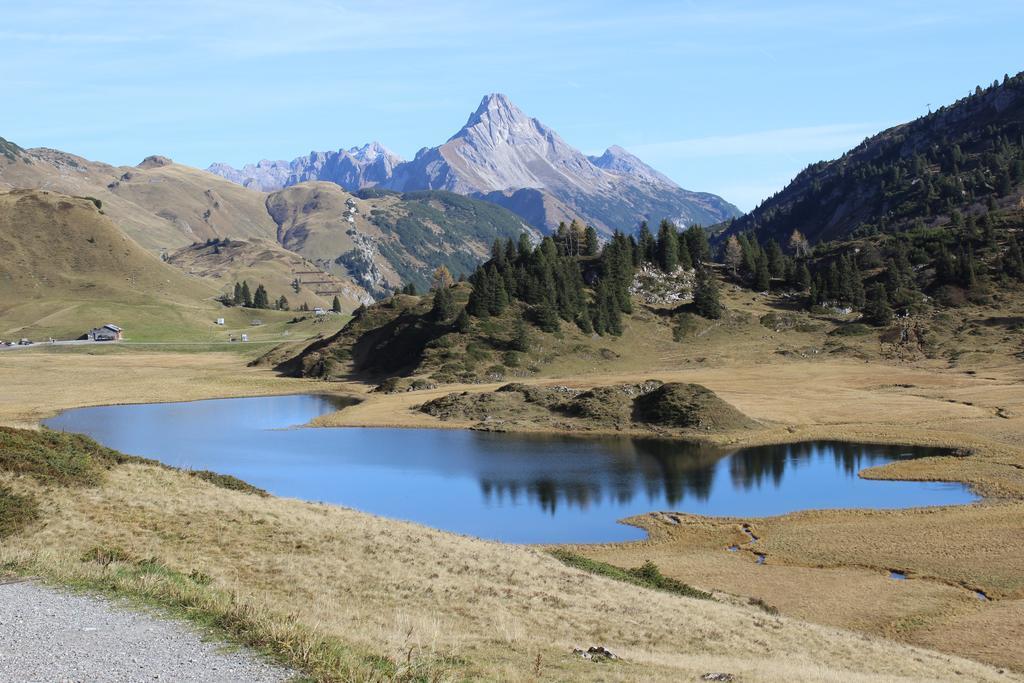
[
  {"x": 372, "y": 151},
  {"x": 496, "y": 118},
  {"x": 618, "y": 160}
]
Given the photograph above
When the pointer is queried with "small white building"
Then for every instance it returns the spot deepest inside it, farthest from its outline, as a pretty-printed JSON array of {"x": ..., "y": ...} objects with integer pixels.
[
  {"x": 108, "y": 332},
  {"x": 319, "y": 311},
  {"x": 245, "y": 337},
  {"x": 220, "y": 321}
]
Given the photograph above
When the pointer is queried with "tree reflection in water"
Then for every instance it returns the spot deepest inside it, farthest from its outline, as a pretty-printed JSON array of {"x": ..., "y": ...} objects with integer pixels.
[{"x": 666, "y": 471}]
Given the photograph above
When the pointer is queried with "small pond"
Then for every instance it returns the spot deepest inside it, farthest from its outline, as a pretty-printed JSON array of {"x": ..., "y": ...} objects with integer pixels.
[{"x": 513, "y": 488}]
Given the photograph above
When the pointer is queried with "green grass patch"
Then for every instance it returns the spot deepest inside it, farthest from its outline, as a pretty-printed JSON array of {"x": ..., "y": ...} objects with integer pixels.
[{"x": 648, "y": 575}]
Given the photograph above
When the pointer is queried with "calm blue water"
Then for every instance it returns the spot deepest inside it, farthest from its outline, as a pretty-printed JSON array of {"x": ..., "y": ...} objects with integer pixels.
[{"x": 513, "y": 488}]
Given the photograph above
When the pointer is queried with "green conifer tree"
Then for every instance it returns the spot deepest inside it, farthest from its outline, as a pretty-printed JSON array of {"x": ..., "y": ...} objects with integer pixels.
[
  {"x": 260, "y": 299},
  {"x": 668, "y": 247},
  {"x": 762, "y": 277},
  {"x": 443, "y": 306},
  {"x": 685, "y": 260},
  {"x": 698, "y": 245},
  {"x": 876, "y": 308},
  {"x": 462, "y": 322},
  {"x": 705, "y": 295},
  {"x": 592, "y": 245},
  {"x": 803, "y": 277},
  {"x": 547, "y": 316},
  {"x": 524, "y": 246},
  {"x": 521, "y": 340},
  {"x": 646, "y": 244}
]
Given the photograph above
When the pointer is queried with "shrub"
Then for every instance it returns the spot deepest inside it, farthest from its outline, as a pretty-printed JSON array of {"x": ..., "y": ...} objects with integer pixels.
[
  {"x": 57, "y": 458},
  {"x": 226, "y": 481},
  {"x": 647, "y": 575},
  {"x": 106, "y": 556}
]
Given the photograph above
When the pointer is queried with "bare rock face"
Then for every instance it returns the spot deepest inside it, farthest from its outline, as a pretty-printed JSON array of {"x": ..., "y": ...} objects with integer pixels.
[
  {"x": 265, "y": 176},
  {"x": 513, "y": 160},
  {"x": 352, "y": 169}
]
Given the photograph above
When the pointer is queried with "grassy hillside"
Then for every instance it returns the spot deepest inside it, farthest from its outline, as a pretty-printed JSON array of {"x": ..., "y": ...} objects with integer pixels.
[
  {"x": 161, "y": 205},
  {"x": 442, "y": 228},
  {"x": 66, "y": 268},
  {"x": 392, "y": 238},
  {"x": 282, "y": 272}
]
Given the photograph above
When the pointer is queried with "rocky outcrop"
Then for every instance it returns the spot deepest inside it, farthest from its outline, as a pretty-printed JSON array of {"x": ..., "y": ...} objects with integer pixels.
[
  {"x": 155, "y": 161},
  {"x": 361, "y": 264},
  {"x": 656, "y": 287}
]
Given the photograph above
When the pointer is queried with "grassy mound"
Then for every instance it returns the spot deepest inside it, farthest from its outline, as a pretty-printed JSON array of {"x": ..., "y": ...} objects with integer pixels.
[
  {"x": 689, "y": 406},
  {"x": 610, "y": 405},
  {"x": 643, "y": 406}
]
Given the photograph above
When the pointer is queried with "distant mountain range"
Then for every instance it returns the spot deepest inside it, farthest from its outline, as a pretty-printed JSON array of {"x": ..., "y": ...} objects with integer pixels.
[
  {"x": 353, "y": 169},
  {"x": 513, "y": 160},
  {"x": 363, "y": 245}
]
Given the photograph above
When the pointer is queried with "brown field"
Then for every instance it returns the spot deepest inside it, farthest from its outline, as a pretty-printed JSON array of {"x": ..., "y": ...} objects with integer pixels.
[{"x": 493, "y": 611}]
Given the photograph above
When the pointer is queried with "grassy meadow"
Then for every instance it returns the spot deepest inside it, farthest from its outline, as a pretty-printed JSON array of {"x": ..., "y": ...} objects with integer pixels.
[{"x": 345, "y": 595}]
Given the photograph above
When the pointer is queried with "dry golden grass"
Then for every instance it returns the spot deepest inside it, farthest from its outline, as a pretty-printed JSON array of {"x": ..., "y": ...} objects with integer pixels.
[
  {"x": 41, "y": 383},
  {"x": 412, "y": 594},
  {"x": 823, "y": 567},
  {"x": 832, "y": 567}
]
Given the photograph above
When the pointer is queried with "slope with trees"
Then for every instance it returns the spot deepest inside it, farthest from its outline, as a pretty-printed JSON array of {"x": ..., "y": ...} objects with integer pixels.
[{"x": 925, "y": 213}]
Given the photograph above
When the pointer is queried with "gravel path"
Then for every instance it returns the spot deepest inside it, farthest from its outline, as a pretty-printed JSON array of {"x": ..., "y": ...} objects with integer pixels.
[{"x": 50, "y": 636}]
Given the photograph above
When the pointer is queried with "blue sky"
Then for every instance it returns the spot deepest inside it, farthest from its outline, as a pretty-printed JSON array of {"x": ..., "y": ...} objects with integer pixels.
[{"x": 728, "y": 97}]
